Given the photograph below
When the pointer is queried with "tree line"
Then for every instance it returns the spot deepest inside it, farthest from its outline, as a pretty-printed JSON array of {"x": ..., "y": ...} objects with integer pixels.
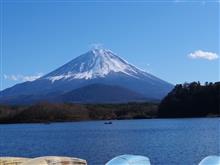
[
  {"x": 51, "y": 112},
  {"x": 191, "y": 100},
  {"x": 185, "y": 100}
]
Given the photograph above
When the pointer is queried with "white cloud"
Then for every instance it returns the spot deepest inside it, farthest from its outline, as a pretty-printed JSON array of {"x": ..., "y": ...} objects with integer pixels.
[
  {"x": 96, "y": 46},
  {"x": 199, "y": 54},
  {"x": 22, "y": 78}
]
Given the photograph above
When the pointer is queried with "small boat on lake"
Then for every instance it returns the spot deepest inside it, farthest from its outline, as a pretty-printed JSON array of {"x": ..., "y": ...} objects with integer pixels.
[
  {"x": 46, "y": 123},
  {"x": 109, "y": 122}
]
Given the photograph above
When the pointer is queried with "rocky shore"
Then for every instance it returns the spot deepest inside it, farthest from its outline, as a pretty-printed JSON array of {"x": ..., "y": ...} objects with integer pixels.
[{"x": 46, "y": 160}]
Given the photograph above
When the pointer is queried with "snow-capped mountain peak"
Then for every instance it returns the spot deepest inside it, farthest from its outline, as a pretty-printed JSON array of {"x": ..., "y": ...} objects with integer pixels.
[
  {"x": 102, "y": 69},
  {"x": 93, "y": 64}
]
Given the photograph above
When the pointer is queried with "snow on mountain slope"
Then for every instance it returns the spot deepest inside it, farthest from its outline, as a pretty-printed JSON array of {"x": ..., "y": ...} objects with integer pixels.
[
  {"x": 93, "y": 64},
  {"x": 97, "y": 66}
]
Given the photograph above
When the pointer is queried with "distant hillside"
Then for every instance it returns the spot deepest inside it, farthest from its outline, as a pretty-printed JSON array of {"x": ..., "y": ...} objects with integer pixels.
[
  {"x": 187, "y": 100},
  {"x": 192, "y": 100},
  {"x": 100, "y": 93}
]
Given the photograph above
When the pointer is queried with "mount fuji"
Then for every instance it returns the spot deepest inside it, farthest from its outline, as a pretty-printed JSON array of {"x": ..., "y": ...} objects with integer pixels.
[{"x": 87, "y": 79}]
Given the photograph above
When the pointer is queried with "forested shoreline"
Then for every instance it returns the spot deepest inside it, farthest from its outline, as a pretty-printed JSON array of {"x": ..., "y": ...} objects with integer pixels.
[
  {"x": 48, "y": 112},
  {"x": 191, "y": 100},
  {"x": 185, "y": 100}
]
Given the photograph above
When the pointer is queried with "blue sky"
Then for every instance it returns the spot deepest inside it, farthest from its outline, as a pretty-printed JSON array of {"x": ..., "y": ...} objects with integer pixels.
[{"x": 39, "y": 36}]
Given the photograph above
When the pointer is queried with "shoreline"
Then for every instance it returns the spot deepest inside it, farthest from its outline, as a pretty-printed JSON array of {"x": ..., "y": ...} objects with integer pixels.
[
  {"x": 112, "y": 120},
  {"x": 47, "y": 113}
]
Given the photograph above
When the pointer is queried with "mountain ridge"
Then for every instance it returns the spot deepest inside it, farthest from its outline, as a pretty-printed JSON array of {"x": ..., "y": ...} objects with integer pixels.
[
  {"x": 101, "y": 93},
  {"x": 93, "y": 64},
  {"x": 98, "y": 66}
]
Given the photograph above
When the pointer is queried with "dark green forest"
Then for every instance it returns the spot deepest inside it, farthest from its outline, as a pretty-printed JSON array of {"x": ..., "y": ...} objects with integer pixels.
[
  {"x": 191, "y": 100},
  {"x": 185, "y": 100}
]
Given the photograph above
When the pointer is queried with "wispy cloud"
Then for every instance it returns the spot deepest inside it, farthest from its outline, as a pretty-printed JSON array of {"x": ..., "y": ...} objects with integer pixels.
[
  {"x": 199, "y": 54},
  {"x": 96, "y": 45},
  {"x": 22, "y": 78}
]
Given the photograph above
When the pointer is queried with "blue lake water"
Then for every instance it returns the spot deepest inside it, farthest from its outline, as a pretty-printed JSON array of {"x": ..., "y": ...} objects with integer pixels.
[{"x": 164, "y": 141}]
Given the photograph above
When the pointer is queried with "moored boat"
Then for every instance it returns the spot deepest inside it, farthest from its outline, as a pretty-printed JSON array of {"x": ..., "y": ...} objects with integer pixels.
[{"x": 109, "y": 122}]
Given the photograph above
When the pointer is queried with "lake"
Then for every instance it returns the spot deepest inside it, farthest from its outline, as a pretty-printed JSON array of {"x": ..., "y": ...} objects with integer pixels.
[{"x": 164, "y": 141}]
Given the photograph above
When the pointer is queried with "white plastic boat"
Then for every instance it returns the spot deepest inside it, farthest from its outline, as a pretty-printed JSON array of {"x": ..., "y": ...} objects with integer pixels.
[
  {"x": 129, "y": 160},
  {"x": 210, "y": 160}
]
